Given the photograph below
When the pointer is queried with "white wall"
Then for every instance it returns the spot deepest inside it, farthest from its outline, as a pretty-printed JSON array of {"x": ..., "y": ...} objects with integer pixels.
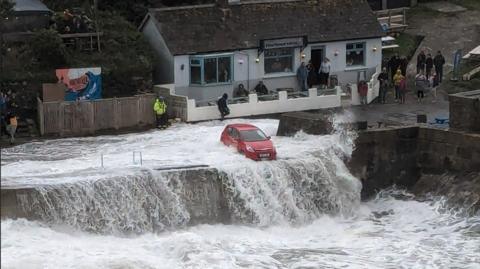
[
  {"x": 255, "y": 107},
  {"x": 373, "y": 59},
  {"x": 248, "y": 72}
]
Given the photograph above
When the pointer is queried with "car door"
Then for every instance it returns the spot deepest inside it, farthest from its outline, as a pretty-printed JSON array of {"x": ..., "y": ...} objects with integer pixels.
[
  {"x": 229, "y": 136},
  {"x": 235, "y": 137}
]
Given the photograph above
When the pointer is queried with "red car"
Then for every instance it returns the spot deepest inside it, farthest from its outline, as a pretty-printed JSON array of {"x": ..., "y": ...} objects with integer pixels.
[{"x": 249, "y": 140}]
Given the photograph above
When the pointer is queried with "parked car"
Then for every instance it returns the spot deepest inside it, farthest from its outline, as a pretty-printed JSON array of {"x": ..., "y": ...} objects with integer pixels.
[{"x": 250, "y": 141}]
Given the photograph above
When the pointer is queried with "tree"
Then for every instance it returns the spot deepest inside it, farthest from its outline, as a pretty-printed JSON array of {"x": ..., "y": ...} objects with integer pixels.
[
  {"x": 6, "y": 8},
  {"x": 47, "y": 48}
]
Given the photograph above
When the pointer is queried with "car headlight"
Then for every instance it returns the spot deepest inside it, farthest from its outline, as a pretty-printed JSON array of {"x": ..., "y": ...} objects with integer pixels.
[{"x": 250, "y": 149}]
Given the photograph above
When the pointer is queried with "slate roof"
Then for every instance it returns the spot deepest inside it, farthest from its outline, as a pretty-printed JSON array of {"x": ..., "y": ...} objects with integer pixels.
[
  {"x": 30, "y": 6},
  {"x": 223, "y": 27}
]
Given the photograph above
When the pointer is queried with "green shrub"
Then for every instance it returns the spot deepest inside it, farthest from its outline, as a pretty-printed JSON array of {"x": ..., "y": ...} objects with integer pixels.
[{"x": 47, "y": 49}]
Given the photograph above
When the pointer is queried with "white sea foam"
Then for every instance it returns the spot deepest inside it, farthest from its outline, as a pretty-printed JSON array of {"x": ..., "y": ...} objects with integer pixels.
[
  {"x": 384, "y": 233},
  {"x": 67, "y": 160}
]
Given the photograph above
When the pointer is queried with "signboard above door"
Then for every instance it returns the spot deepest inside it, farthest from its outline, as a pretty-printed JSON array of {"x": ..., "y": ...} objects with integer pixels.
[{"x": 293, "y": 42}]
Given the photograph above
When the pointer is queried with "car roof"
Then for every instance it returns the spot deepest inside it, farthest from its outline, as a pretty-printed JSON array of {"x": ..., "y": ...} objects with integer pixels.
[{"x": 243, "y": 126}]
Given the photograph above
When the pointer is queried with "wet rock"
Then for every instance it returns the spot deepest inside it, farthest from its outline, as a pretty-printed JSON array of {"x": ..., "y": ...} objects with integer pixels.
[{"x": 462, "y": 190}]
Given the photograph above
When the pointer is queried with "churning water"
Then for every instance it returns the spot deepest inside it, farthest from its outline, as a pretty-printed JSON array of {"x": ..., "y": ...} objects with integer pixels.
[{"x": 302, "y": 211}]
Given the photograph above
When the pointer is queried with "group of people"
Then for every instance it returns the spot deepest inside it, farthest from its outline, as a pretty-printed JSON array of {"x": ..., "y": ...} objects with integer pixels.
[
  {"x": 8, "y": 118},
  {"x": 307, "y": 76},
  {"x": 241, "y": 91},
  {"x": 428, "y": 76},
  {"x": 73, "y": 23}
]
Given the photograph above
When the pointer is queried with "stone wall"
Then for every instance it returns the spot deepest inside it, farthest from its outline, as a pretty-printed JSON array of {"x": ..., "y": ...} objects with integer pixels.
[
  {"x": 310, "y": 123},
  {"x": 385, "y": 157},
  {"x": 176, "y": 104},
  {"x": 401, "y": 156},
  {"x": 441, "y": 150},
  {"x": 465, "y": 111}
]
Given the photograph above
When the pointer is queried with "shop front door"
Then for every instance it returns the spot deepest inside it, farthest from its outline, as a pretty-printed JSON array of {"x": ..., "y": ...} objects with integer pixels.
[{"x": 317, "y": 57}]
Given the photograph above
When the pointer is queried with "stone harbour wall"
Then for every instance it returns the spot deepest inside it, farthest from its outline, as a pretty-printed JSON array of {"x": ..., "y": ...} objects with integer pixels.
[{"x": 465, "y": 111}]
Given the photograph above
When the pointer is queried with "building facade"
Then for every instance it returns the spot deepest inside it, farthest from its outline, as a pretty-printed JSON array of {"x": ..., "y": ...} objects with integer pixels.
[{"x": 206, "y": 50}]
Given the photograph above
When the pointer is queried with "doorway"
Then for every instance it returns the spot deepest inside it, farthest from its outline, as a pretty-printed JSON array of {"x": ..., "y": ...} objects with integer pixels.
[{"x": 318, "y": 53}]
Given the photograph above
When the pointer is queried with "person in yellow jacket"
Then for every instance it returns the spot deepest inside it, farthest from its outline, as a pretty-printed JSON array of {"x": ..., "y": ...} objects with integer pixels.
[
  {"x": 160, "y": 109},
  {"x": 397, "y": 79}
]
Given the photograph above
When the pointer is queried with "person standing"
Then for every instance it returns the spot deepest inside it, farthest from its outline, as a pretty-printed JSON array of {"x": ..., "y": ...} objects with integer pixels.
[
  {"x": 421, "y": 59},
  {"x": 428, "y": 66},
  {"x": 438, "y": 62},
  {"x": 302, "y": 74},
  {"x": 311, "y": 76},
  {"x": 396, "y": 81},
  {"x": 393, "y": 64},
  {"x": 433, "y": 83},
  {"x": 383, "y": 79},
  {"x": 12, "y": 126},
  {"x": 160, "y": 109},
  {"x": 324, "y": 73},
  {"x": 222, "y": 106},
  {"x": 420, "y": 86},
  {"x": 402, "y": 89},
  {"x": 362, "y": 92}
]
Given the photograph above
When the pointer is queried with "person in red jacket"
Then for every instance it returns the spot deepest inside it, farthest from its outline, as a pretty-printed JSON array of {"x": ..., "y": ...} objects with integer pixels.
[{"x": 363, "y": 91}]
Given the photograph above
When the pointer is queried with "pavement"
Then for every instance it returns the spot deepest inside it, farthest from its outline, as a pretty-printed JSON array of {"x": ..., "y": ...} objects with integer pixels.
[
  {"x": 447, "y": 27},
  {"x": 395, "y": 114}
]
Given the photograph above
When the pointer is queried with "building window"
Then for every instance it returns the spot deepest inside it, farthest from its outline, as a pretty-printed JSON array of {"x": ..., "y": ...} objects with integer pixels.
[
  {"x": 355, "y": 54},
  {"x": 210, "y": 70},
  {"x": 278, "y": 60}
]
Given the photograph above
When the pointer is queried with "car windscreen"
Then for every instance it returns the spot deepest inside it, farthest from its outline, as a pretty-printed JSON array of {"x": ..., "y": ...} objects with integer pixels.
[{"x": 252, "y": 135}]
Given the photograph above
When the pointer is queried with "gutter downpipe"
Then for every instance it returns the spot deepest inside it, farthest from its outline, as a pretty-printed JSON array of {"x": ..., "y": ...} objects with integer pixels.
[{"x": 248, "y": 68}]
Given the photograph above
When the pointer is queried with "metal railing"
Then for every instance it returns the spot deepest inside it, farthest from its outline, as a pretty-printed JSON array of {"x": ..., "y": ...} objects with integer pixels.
[{"x": 137, "y": 158}]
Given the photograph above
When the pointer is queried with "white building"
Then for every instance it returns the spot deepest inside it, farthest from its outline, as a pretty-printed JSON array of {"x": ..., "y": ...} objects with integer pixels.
[{"x": 207, "y": 50}]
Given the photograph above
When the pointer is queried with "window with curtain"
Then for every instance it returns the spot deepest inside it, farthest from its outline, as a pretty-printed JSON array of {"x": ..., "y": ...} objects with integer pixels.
[{"x": 356, "y": 54}]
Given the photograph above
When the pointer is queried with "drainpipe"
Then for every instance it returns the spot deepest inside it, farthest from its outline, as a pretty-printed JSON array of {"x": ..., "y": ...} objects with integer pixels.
[{"x": 248, "y": 68}]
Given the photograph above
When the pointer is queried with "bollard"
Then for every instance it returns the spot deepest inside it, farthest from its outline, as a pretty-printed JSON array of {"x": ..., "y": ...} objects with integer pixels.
[
  {"x": 101, "y": 156},
  {"x": 421, "y": 118}
]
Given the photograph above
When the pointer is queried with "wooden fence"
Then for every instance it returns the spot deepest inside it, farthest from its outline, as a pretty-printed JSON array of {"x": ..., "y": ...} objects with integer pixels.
[{"x": 89, "y": 117}]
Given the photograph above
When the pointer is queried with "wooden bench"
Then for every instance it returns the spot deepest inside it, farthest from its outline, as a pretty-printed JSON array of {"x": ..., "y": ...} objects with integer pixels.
[
  {"x": 473, "y": 72},
  {"x": 394, "y": 19}
]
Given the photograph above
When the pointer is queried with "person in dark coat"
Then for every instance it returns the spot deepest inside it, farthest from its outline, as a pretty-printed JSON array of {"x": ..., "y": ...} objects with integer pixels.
[
  {"x": 312, "y": 75},
  {"x": 393, "y": 65},
  {"x": 302, "y": 74},
  {"x": 222, "y": 106},
  {"x": 383, "y": 79},
  {"x": 240, "y": 91},
  {"x": 261, "y": 89},
  {"x": 428, "y": 66},
  {"x": 438, "y": 62},
  {"x": 421, "y": 59}
]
